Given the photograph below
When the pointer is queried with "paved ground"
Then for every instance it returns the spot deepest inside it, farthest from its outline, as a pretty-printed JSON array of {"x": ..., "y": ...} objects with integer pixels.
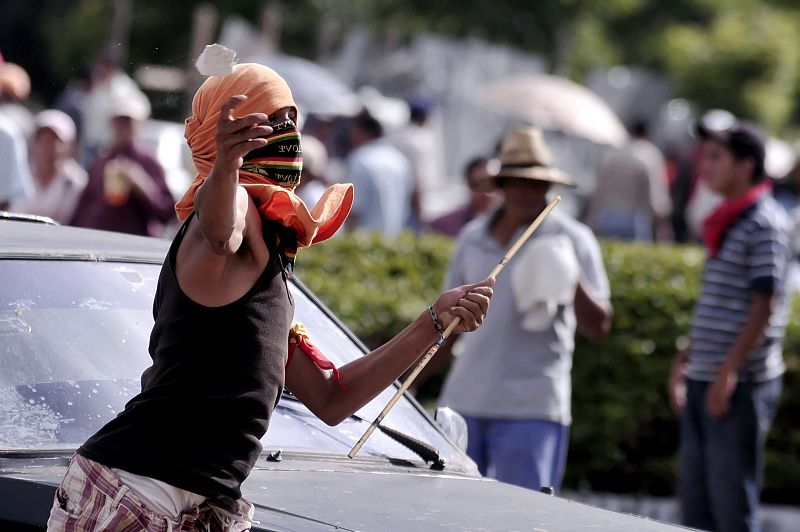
[{"x": 774, "y": 518}]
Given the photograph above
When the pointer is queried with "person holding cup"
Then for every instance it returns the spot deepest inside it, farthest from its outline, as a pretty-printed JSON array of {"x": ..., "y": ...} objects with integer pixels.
[{"x": 127, "y": 191}]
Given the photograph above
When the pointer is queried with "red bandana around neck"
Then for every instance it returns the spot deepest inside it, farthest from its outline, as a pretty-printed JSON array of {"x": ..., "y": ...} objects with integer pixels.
[{"x": 717, "y": 223}]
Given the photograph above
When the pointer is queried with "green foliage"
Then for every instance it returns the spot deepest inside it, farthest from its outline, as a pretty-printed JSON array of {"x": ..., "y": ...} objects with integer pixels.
[
  {"x": 376, "y": 288},
  {"x": 624, "y": 437},
  {"x": 735, "y": 54},
  {"x": 752, "y": 49}
]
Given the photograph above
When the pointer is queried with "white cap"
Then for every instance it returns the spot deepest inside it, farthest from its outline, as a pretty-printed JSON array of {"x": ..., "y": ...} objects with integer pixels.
[
  {"x": 132, "y": 105},
  {"x": 58, "y": 122}
]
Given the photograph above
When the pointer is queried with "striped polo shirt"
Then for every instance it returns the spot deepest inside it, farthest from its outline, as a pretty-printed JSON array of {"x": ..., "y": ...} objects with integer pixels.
[{"x": 754, "y": 256}]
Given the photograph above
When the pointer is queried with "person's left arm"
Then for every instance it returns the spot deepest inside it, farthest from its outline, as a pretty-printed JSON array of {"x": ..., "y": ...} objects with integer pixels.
[
  {"x": 767, "y": 263},
  {"x": 593, "y": 311},
  {"x": 369, "y": 375}
]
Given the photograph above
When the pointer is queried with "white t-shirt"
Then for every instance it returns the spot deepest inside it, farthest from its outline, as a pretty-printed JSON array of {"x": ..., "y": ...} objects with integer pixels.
[
  {"x": 59, "y": 199},
  {"x": 15, "y": 179},
  {"x": 383, "y": 181}
]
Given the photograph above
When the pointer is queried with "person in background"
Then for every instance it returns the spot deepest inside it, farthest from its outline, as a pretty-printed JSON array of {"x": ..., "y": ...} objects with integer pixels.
[
  {"x": 109, "y": 84},
  {"x": 383, "y": 177},
  {"x": 642, "y": 148},
  {"x": 15, "y": 179},
  {"x": 726, "y": 385},
  {"x": 512, "y": 379},
  {"x": 58, "y": 179},
  {"x": 481, "y": 199},
  {"x": 315, "y": 164},
  {"x": 15, "y": 88},
  {"x": 786, "y": 190},
  {"x": 418, "y": 142},
  {"x": 72, "y": 99},
  {"x": 620, "y": 204},
  {"x": 127, "y": 191}
]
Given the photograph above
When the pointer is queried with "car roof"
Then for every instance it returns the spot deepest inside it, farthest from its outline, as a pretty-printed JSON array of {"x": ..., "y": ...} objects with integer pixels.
[{"x": 35, "y": 240}]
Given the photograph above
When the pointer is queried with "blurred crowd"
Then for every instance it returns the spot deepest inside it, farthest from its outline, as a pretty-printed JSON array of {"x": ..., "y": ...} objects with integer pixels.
[{"x": 83, "y": 163}]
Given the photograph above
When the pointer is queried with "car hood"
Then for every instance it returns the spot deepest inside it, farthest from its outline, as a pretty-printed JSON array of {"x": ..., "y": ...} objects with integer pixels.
[
  {"x": 307, "y": 492},
  {"x": 357, "y": 496}
]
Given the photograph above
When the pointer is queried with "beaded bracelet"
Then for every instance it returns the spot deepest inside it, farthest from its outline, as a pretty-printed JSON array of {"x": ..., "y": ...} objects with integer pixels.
[{"x": 437, "y": 324}]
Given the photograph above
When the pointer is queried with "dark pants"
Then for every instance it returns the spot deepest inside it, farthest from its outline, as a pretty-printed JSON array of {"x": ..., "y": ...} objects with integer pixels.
[{"x": 722, "y": 459}]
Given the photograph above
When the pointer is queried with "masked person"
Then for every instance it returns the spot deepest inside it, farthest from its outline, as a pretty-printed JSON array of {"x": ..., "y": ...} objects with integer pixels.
[{"x": 176, "y": 457}]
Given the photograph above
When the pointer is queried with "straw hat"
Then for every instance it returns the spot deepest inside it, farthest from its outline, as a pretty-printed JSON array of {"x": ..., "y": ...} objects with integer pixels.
[{"x": 524, "y": 154}]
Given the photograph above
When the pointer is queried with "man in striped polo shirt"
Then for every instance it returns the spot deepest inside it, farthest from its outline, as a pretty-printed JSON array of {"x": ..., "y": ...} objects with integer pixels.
[{"x": 727, "y": 384}]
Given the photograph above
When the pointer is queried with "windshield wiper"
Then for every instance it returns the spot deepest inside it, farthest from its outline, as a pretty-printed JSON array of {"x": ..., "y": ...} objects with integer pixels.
[
  {"x": 426, "y": 451},
  {"x": 35, "y": 453}
]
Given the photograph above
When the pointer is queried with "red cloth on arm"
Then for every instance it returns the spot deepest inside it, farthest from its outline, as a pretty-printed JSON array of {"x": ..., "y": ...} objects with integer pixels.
[{"x": 298, "y": 337}]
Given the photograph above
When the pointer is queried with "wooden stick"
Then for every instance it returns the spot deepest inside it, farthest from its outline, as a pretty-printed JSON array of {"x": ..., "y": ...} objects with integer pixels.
[{"x": 450, "y": 328}]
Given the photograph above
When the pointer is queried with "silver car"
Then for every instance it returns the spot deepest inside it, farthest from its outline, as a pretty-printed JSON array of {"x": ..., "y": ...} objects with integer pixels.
[{"x": 75, "y": 320}]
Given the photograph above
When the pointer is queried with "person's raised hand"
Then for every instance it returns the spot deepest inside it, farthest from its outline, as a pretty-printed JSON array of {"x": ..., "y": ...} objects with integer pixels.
[
  {"x": 238, "y": 136},
  {"x": 468, "y": 302}
]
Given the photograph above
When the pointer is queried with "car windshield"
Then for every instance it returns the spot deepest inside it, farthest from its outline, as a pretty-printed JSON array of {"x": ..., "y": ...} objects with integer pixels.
[{"x": 74, "y": 341}]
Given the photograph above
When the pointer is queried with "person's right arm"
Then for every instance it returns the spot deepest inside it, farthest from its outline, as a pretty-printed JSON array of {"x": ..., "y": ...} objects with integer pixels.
[
  {"x": 221, "y": 205},
  {"x": 676, "y": 387},
  {"x": 444, "y": 356}
]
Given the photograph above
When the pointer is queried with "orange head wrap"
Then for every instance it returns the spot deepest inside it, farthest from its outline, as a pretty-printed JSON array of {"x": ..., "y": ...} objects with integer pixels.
[{"x": 266, "y": 93}]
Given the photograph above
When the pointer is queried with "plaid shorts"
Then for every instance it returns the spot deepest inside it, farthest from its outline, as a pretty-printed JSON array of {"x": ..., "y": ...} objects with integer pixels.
[{"x": 91, "y": 497}]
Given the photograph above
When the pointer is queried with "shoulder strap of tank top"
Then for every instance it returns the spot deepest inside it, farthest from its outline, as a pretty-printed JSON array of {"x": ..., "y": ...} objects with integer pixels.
[{"x": 176, "y": 241}]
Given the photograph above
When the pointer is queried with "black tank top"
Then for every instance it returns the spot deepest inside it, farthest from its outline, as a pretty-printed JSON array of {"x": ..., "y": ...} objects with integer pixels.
[{"x": 206, "y": 401}]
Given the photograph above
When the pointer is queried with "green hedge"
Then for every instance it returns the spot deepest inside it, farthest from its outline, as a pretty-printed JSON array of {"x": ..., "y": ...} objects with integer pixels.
[{"x": 624, "y": 437}]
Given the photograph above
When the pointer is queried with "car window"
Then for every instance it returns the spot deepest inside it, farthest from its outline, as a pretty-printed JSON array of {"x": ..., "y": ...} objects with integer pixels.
[{"x": 74, "y": 341}]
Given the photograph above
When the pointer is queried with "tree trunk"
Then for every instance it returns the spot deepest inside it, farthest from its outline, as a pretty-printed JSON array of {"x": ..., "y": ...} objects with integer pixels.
[{"x": 120, "y": 28}]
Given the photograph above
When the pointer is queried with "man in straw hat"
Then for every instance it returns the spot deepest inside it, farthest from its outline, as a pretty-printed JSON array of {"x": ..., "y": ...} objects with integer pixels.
[
  {"x": 176, "y": 457},
  {"x": 512, "y": 378}
]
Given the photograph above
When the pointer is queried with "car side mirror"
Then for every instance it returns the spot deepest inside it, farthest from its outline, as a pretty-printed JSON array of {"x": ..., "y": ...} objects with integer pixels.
[{"x": 453, "y": 425}]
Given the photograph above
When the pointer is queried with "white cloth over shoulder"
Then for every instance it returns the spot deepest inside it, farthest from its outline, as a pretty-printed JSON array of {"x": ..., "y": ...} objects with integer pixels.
[{"x": 544, "y": 277}]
